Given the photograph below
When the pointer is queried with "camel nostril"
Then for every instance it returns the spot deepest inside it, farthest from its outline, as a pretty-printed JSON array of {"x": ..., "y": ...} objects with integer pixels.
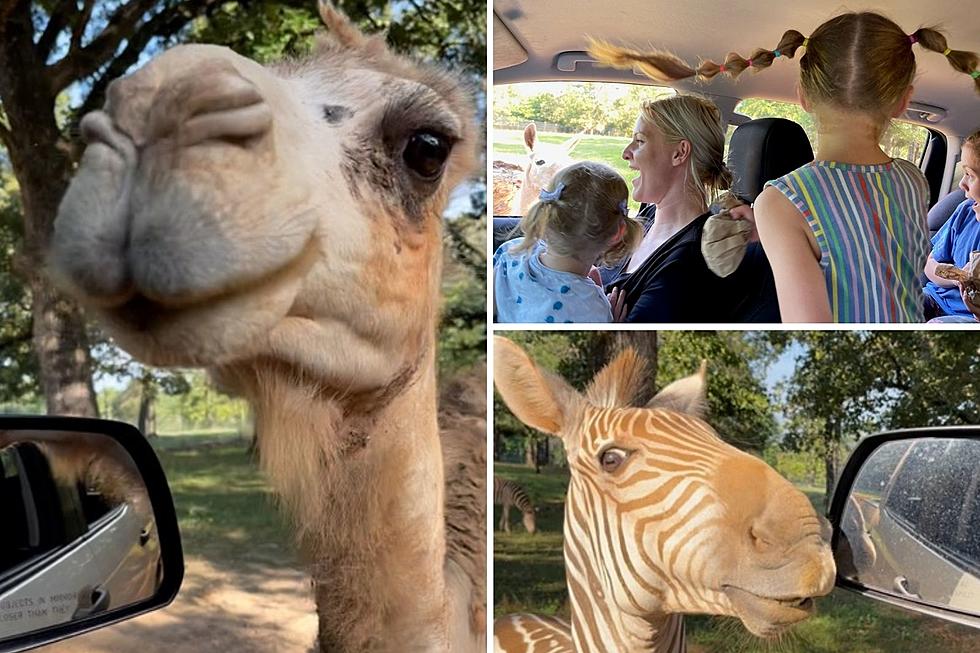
[{"x": 232, "y": 124}]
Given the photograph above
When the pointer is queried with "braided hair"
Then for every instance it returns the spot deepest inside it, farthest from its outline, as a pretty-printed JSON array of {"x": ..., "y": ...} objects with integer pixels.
[{"x": 858, "y": 60}]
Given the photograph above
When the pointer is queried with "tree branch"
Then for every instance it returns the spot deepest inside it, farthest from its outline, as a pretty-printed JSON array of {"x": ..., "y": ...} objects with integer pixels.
[
  {"x": 163, "y": 25},
  {"x": 57, "y": 21},
  {"x": 78, "y": 30},
  {"x": 79, "y": 63}
]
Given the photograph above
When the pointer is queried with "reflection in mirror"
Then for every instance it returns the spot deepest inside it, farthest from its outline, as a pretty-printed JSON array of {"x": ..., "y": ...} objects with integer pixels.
[
  {"x": 79, "y": 537},
  {"x": 911, "y": 526}
]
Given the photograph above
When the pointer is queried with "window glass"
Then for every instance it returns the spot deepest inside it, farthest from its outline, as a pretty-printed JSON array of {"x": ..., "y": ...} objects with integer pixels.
[
  {"x": 903, "y": 140},
  {"x": 574, "y": 121}
]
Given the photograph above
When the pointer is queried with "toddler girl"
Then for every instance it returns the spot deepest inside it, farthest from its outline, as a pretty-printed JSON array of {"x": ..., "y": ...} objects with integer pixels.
[{"x": 579, "y": 221}]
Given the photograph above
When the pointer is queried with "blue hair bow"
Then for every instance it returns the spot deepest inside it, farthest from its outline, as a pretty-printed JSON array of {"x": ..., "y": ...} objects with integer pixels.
[{"x": 551, "y": 196}]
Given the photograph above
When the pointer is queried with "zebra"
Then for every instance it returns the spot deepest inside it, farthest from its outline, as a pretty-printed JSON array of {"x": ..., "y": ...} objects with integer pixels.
[
  {"x": 662, "y": 517},
  {"x": 507, "y": 494}
]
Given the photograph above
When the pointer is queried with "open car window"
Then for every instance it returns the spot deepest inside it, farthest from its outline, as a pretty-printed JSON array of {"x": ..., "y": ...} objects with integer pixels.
[{"x": 573, "y": 121}]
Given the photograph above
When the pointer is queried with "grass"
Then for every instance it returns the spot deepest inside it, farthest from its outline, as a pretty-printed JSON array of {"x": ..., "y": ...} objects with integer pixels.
[
  {"x": 529, "y": 577},
  {"x": 225, "y": 509},
  {"x": 605, "y": 149}
]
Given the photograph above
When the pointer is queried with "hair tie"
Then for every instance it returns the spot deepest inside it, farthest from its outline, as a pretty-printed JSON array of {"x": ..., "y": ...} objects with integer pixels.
[
  {"x": 776, "y": 54},
  {"x": 946, "y": 52},
  {"x": 913, "y": 39},
  {"x": 975, "y": 74},
  {"x": 806, "y": 41},
  {"x": 750, "y": 63},
  {"x": 624, "y": 208},
  {"x": 552, "y": 196},
  {"x": 721, "y": 68}
]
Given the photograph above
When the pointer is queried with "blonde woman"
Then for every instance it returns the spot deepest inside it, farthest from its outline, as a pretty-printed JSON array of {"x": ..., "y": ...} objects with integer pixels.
[{"x": 678, "y": 150}]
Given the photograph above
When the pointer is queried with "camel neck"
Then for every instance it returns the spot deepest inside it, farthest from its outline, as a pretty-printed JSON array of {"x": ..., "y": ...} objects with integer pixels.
[{"x": 363, "y": 482}]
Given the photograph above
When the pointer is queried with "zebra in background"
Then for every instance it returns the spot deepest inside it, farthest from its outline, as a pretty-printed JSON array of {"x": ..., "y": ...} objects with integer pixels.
[
  {"x": 507, "y": 494},
  {"x": 662, "y": 517}
]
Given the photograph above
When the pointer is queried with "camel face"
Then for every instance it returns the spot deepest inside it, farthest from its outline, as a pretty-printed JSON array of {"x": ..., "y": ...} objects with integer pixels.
[
  {"x": 305, "y": 196},
  {"x": 696, "y": 525}
]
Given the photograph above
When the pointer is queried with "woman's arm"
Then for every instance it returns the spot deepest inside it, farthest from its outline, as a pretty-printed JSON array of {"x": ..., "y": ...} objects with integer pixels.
[{"x": 800, "y": 283}]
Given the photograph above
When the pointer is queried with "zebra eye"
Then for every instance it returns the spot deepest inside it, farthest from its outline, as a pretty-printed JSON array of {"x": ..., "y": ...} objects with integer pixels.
[{"x": 611, "y": 459}]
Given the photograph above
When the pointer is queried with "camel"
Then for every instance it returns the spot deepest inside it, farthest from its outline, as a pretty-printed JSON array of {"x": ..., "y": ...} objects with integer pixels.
[
  {"x": 515, "y": 190},
  {"x": 280, "y": 227},
  {"x": 662, "y": 517}
]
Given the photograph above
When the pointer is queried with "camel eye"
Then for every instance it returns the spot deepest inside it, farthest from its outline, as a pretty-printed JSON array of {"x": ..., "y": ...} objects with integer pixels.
[
  {"x": 426, "y": 153},
  {"x": 611, "y": 459}
]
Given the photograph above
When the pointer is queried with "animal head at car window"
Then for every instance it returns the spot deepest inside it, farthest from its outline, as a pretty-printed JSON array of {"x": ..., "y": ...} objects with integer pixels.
[{"x": 583, "y": 213}]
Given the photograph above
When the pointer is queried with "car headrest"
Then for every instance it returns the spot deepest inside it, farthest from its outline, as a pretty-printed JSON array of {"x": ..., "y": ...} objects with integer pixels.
[
  {"x": 943, "y": 209},
  {"x": 765, "y": 149}
]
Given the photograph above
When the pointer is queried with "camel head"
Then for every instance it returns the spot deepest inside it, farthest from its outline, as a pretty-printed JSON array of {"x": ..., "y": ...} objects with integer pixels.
[
  {"x": 662, "y": 516},
  {"x": 225, "y": 211},
  {"x": 544, "y": 160}
]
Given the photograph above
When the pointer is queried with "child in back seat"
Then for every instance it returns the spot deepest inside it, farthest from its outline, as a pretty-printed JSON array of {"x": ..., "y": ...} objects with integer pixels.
[{"x": 548, "y": 275}]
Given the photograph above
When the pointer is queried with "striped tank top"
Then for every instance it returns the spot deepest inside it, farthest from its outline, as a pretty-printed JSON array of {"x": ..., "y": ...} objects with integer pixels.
[{"x": 870, "y": 224}]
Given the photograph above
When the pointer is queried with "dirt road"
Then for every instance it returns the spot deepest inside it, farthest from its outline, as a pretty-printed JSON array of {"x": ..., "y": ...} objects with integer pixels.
[{"x": 253, "y": 608}]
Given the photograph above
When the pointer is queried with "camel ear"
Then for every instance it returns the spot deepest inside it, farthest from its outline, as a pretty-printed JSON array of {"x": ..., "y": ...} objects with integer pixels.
[
  {"x": 687, "y": 395},
  {"x": 538, "y": 398},
  {"x": 530, "y": 134}
]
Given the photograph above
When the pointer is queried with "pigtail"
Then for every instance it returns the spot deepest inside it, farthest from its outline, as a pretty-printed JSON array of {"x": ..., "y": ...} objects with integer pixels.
[
  {"x": 657, "y": 65},
  {"x": 665, "y": 67},
  {"x": 962, "y": 61},
  {"x": 535, "y": 223},
  {"x": 632, "y": 235}
]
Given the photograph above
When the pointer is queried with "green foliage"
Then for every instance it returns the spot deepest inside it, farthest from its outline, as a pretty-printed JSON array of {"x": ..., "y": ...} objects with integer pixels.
[
  {"x": 738, "y": 407},
  {"x": 18, "y": 364},
  {"x": 462, "y": 337},
  {"x": 451, "y": 31},
  {"x": 595, "y": 108}
]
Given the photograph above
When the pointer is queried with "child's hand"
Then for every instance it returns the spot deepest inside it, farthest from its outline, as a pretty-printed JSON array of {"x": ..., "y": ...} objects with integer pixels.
[
  {"x": 745, "y": 212},
  {"x": 617, "y": 298},
  {"x": 595, "y": 276}
]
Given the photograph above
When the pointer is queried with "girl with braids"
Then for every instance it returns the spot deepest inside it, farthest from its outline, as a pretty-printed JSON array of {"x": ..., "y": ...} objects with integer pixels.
[
  {"x": 548, "y": 275},
  {"x": 846, "y": 234}
]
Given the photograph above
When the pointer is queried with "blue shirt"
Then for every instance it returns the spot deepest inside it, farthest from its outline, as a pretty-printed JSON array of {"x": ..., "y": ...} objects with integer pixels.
[
  {"x": 526, "y": 290},
  {"x": 953, "y": 244}
]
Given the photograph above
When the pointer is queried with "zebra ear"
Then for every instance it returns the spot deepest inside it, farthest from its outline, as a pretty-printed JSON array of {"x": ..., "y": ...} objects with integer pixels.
[
  {"x": 538, "y": 398},
  {"x": 687, "y": 395},
  {"x": 620, "y": 382}
]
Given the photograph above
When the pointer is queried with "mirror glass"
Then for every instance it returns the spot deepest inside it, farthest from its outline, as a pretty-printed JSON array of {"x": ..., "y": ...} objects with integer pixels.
[
  {"x": 78, "y": 532},
  {"x": 911, "y": 525}
]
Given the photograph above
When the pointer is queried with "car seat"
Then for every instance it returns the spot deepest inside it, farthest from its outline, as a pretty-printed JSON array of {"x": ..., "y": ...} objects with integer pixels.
[{"x": 943, "y": 210}]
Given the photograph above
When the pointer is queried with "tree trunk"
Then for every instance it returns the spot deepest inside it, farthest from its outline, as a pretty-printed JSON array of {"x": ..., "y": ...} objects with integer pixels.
[
  {"x": 147, "y": 420},
  {"x": 530, "y": 451},
  {"x": 43, "y": 168},
  {"x": 830, "y": 469}
]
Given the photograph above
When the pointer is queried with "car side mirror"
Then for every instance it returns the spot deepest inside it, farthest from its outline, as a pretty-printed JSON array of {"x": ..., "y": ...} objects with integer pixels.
[
  {"x": 906, "y": 517},
  {"x": 89, "y": 530}
]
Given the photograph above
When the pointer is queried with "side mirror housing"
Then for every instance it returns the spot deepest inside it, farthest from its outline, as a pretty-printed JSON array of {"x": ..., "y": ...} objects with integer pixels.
[
  {"x": 90, "y": 534},
  {"x": 906, "y": 518}
]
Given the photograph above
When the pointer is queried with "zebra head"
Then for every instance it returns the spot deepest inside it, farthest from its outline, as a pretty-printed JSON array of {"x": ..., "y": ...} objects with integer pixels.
[{"x": 662, "y": 517}]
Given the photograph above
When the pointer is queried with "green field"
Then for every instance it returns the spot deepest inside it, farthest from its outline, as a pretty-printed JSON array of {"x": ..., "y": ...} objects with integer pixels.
[
  {"x": 605, "y": 149},
  {"x": 529, "y": 577},
  {"x": 225, "y": 509}
]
